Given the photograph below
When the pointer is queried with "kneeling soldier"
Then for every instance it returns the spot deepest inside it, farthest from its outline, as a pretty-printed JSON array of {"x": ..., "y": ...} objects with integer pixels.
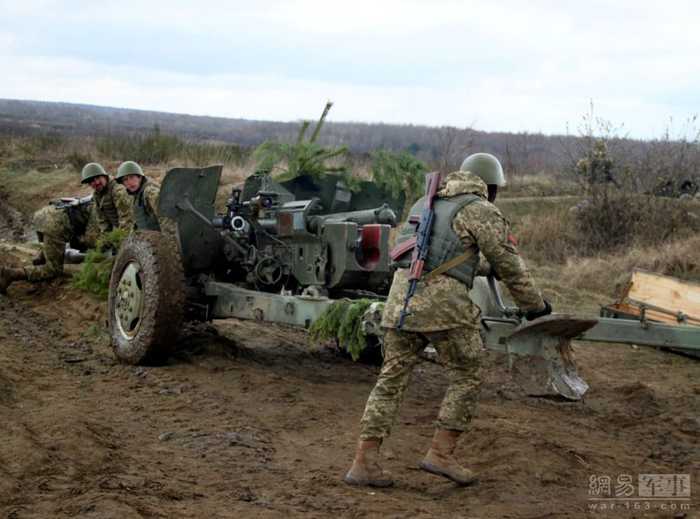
[{"x": 66, "y": 221}]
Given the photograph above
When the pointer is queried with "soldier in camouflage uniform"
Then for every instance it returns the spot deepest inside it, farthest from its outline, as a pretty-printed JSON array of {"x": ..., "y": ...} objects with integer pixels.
[
  {"x": 112, "y": 201},
  {"x": 442, "y": 314},
  {"x": 144, "y": 193},
  {"x": 69, "y": 222}
]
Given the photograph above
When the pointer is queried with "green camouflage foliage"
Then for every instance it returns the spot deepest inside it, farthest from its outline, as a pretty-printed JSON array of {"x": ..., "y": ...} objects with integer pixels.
[
  {"x": 399, "y": 173},
  {"x": 343, "y": 321},
  {"x": 94, "y": 275},
  {"x": 305, "y": 157}
]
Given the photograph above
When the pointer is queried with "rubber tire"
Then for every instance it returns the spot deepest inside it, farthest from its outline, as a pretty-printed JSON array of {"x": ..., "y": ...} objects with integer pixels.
[{"x": 163, "y": 286}]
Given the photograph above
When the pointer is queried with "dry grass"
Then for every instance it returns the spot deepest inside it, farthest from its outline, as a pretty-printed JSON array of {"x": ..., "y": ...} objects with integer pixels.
[
  {"x": 606, "y": 275},
  {"x": 540, "y": 184},
  {"x": 28, "y": 190},
  {"x": 577, "y": 278},
  {"x": 552, "y": 231}
]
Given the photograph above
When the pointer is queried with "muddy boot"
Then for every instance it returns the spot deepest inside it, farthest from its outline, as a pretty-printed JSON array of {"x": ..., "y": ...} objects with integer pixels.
[
  {"x": 8, "y": 275},
  {"x": 39, "y": 259},
  {"x": 365, "y": 470},
  {"x": 440, "y": 460}
]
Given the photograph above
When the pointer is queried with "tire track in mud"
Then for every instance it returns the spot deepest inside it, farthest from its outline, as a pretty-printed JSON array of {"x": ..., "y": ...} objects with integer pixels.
[{"x": 13, "y": 225}]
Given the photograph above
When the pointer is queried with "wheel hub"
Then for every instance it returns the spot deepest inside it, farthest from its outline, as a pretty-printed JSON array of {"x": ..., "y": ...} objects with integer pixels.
[{"x": 129, "y": 301}]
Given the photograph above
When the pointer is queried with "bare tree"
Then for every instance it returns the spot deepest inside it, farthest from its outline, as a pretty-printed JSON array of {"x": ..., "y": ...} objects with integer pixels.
[{"x": 450, "y": 146}]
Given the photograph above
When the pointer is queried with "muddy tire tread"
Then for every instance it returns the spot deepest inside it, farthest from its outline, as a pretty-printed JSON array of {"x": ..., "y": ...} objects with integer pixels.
[{"x": 163, "y": 298}]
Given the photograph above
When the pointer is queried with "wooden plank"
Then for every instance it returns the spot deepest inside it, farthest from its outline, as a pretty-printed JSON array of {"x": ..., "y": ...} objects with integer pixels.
[
  {"x": 632, "y": 310},
  {"x": 665, "y": 292}
]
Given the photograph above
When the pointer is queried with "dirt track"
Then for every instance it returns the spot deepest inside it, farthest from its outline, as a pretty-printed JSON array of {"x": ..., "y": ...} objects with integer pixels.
[{"x": 248, "y": 421}]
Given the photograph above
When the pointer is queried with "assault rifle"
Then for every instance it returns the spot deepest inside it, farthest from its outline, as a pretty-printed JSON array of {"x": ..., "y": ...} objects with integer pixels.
[
  {"x": 67, "y": 202},
  {"x": 422, "y": 241}
]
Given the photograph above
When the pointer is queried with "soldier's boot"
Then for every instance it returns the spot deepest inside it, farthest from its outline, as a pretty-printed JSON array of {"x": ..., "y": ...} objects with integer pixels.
[
  {"x": 440, "y": 460},
  {"x": 365, "y": 470},
  {"x": 39, "y": 259},
  {"x": 8, "y": 275}
]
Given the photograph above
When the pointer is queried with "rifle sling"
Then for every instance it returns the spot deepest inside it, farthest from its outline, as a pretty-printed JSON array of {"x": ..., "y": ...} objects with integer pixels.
[{"x": 449, "y": 264}]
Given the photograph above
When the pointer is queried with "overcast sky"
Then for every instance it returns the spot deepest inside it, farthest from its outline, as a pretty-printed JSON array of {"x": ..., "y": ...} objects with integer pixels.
[{"x": 493, "y": 65}]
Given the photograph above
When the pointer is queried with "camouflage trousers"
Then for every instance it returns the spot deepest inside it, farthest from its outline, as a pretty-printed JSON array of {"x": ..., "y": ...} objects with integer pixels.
[
  {"x": 459, "y": 351},
  {"x": 54, "y": 248},
  {"x": 54, "y": 230}
]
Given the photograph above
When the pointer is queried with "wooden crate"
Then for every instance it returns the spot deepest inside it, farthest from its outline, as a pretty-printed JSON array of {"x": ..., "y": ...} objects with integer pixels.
[{"x": 665, "y": 299}]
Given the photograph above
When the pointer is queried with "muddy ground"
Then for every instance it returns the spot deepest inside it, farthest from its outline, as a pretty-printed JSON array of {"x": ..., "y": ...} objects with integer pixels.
[{"x": 249, "y": 420}]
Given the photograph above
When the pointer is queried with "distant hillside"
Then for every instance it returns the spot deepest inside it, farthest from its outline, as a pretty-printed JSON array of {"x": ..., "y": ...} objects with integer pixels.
[{"x": 444, "y": 146}]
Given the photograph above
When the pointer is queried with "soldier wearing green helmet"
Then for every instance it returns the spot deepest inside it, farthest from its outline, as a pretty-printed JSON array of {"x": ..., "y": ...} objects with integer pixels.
[
  {"x": 144, "y": 193},
  {"x": 466, "y": 226},
  {"x": 112, "y": 202},
  {"x": 487, "y": 168},
  {"x": 74, "y": 221}
]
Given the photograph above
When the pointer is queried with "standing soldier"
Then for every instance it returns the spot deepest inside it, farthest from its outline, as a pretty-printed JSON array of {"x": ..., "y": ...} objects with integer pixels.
[
  {"x": 145, "y": 195},
  {"x": 441, "y": 313},
  {"x": 66, "y": 221}
]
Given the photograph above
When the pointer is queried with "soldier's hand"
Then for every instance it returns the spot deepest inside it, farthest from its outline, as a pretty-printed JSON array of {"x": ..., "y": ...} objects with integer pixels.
[{"x": 534, "y": 314}]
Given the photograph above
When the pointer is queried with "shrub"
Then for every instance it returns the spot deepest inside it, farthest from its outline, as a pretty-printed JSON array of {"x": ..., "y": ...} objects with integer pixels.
[
  {"x": 95, "y": 272},
  {"x": 399, "y": 172},
  {"x": 613, "y": 219},
  {"x": 342, "y": 321},
  {"x": 610, "y": 221},
  {"x": 304, "y": 157}
]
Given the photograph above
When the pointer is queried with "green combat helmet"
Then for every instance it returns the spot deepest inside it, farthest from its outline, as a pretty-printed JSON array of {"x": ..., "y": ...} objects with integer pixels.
[
  {"x": 486, "y": 167},
  {"x": 128, "y": 168},
  {"x": 90, "y": 171}
]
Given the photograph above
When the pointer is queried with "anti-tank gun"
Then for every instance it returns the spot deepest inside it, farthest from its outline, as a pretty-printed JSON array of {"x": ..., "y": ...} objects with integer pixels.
[
  {"x": 274, "y": 242},
  {"x": 271, "y": 256},
  {"x": 277, "y": 257}
]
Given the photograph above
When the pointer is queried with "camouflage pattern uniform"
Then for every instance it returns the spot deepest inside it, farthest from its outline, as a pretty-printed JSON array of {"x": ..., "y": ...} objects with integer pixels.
[
  {"x": 146, "y": 210},
  {"x": 145, "y": 206},
  {"x": 443, "y": 314},
  {"x": 113, "y": 208},
  {"x": 55, "y": 229}
]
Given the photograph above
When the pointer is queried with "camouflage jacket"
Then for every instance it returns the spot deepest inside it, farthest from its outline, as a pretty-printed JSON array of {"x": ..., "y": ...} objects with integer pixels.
[
  {"x": 443, "y": 303},
  {"x": 145, "y": 206},
  {"x": 55, "y": 221},
  {"x": 113, "y": 207}
]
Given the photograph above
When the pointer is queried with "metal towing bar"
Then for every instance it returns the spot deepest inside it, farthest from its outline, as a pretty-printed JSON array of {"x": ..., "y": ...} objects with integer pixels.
[{"x": 683, "y": 338}]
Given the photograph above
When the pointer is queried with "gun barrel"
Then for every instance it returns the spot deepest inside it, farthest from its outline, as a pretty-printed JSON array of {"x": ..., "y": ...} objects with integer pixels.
[{"x": 382, "y": 215}]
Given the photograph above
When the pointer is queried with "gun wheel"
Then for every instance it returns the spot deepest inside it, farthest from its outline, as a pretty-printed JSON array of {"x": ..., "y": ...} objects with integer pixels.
[{"x": 146, "y": 298}]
